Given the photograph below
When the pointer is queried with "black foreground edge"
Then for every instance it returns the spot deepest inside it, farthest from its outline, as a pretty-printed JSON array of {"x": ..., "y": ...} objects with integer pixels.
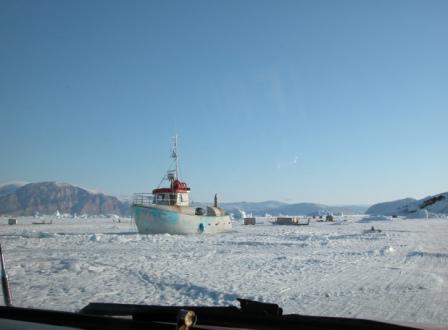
[{"x": 251, "y": 315}]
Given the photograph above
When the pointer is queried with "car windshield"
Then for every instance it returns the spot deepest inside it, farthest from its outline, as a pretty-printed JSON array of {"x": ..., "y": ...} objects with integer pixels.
[{"x": 196, "y": 152}]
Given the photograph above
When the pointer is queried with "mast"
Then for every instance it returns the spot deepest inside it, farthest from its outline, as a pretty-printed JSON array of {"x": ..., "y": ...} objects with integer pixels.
[{"x": 174, "y": 155}]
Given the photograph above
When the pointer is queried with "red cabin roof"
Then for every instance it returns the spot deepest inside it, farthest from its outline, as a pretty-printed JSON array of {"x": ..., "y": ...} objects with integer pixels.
[
  {"x": 162, "y": 190},
  {"x": 176, "y": 187}
]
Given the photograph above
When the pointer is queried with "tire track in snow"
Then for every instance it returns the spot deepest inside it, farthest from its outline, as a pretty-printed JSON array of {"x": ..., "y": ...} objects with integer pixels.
[{"x": 323, "y": 269}]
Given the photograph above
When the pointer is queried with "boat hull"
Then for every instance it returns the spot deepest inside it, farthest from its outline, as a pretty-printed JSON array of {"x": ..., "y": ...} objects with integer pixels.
[{"x": 160, "y": 220}]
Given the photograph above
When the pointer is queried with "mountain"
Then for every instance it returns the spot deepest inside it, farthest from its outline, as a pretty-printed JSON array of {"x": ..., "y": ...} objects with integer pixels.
[
  {"x": 390, "y": 208},
  {"x": 49, "y": 197},
  {"x": 317, "y": 209},
  {"x": 278, "y": 208},
  {"x": 9, "y": 188},
  {"x": 259, "y": 208},
  {"x": 437, "y": 204}
]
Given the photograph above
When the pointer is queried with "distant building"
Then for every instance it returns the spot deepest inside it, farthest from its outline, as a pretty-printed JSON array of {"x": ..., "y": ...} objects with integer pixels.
[
  {"x": 291, "y": 221},
  {"x": 249, "y": 221}
]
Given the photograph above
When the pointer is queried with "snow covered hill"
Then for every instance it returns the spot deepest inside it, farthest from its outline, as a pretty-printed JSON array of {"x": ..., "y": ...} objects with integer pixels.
[
  {"x": 436, "y": 204},
  {"x": 389, "y": 208}
]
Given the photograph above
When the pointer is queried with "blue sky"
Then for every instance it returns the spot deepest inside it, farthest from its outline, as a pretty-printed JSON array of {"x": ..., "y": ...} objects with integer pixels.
[{"x": 338, "y": 102}]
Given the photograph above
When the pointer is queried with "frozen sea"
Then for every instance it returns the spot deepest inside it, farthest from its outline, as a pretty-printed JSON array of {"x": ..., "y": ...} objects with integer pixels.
[{"x": 332, "y": 269}]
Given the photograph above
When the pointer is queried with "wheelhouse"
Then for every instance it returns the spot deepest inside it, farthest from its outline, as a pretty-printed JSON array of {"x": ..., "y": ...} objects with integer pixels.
[{"x": 177, "y": 194}]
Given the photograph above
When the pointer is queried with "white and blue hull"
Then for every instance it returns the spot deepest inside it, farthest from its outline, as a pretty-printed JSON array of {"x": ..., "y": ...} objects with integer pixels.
[{"x": 163, "y": 220}]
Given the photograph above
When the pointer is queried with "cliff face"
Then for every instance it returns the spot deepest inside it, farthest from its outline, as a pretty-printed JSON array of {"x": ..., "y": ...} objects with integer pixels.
[{"x": 49, "y": 197}]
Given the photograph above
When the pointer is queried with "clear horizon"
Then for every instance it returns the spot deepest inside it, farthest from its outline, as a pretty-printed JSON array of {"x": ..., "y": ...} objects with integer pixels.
[{"x": 339, "y": 103}]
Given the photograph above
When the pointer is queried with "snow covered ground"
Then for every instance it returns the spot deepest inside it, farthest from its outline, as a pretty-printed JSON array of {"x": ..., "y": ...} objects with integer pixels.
[{"x": 335, "y": 269}]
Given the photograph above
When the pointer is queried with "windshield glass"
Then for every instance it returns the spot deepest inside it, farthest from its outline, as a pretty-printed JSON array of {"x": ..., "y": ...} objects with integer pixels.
[{"x": 289, "y": 152}]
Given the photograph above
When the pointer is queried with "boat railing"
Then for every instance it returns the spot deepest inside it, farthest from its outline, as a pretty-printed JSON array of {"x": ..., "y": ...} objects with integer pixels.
[
  {"x": 147, "y": 199},
  {"x": 144, "y": 199}
]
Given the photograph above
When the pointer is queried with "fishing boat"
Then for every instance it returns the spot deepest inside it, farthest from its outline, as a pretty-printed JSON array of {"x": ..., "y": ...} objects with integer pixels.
[{"x": 167, "y": 209}]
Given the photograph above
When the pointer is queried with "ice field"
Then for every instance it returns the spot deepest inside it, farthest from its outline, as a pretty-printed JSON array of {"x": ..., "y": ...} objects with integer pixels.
[{"x": 332, "y": 269}]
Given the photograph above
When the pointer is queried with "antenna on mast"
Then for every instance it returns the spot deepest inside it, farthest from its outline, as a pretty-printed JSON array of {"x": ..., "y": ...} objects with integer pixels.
[{"x": 174, "y": 155}]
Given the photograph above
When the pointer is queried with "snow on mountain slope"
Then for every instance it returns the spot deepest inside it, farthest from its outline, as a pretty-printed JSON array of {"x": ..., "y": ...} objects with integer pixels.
[
  {"x": 390, "y": 208},
  {"x": 436, "y": 204}
]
